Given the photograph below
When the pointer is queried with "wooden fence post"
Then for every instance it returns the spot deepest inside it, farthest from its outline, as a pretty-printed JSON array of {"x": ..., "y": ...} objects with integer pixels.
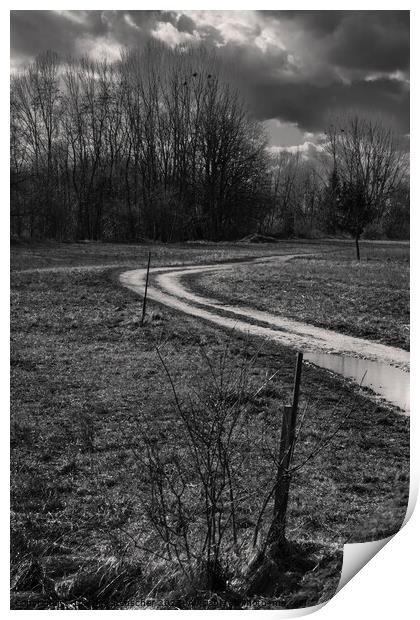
[
  {"x": 295, "y": 405},
  {"x": 145, "y": 290},
  {"x": 281, "y": 494}
]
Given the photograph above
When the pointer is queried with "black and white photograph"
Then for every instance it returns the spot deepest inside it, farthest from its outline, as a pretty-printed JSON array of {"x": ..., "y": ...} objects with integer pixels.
[{"x": 209, "y": 304}]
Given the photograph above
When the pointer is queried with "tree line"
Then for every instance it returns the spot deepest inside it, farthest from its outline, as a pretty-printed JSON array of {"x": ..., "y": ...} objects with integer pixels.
[{"x": 160, "y": 145}]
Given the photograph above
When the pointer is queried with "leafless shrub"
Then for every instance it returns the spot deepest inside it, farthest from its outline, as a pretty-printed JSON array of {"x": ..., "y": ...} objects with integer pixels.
[
  {"x": 207, "y": 482},
  {"x": 195, "y": 479}
]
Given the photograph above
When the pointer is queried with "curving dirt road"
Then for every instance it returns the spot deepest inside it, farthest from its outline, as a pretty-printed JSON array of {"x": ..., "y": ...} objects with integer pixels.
[{"x": 386, "y": 367}]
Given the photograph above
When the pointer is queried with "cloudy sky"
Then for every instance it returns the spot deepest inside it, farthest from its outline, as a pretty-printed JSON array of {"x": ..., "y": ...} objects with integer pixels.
[{"x": 295, "y": 67}]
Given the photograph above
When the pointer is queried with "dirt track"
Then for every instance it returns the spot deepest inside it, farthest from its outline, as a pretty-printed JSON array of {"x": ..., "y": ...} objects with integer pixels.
[{"x": 166, "y": 287}]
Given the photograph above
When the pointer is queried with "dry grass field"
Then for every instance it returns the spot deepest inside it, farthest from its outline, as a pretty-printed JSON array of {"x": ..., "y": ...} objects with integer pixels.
[{"x": 89, "y": 396}]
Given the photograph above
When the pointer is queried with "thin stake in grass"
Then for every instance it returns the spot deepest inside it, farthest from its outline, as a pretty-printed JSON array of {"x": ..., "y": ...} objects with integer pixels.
[
  {"x": 145, "y": 290},
  {"x": 286, "y": 448}
]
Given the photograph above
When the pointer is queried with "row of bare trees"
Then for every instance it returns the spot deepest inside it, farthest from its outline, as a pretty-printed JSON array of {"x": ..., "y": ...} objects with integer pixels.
[{"x": 160, "y": 145}]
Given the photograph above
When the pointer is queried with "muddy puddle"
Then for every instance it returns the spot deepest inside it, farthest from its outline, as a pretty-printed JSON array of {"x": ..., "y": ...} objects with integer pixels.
[{"x": 392, "y": 384}]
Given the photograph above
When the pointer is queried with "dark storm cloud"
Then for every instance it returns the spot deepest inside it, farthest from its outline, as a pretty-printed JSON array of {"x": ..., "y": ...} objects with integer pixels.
[
  {"x": 294, "y": 66},
  {"x": 33, "y": 31},
  {"x": 65, "y": 32},
  {"x": 186, "y": 24},
  {"x": 320, "y": 22},
  {"x": 374, "y": 42},
  {"x": 311, "y": 106},
  {"x": 274, "y": 90},
  {"x": 370, "y": 40},
  {"x": 357, "y": 55}
]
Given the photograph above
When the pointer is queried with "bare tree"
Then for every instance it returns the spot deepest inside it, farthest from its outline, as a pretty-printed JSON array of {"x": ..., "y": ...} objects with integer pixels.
[{"x": 368, "y": 166}]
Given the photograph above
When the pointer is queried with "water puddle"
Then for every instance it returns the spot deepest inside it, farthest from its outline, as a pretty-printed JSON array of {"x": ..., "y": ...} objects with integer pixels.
[{"x": 393, "y": 384}]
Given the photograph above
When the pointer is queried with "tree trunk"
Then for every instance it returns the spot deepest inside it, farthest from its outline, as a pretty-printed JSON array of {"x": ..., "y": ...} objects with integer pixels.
[{"x": 357, "y": 247}]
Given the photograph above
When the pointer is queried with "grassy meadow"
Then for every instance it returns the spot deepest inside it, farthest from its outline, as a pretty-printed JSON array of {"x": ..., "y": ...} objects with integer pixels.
[
  {"x": 91, "y": 399},
  {"x": 93, "y": 254}
]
